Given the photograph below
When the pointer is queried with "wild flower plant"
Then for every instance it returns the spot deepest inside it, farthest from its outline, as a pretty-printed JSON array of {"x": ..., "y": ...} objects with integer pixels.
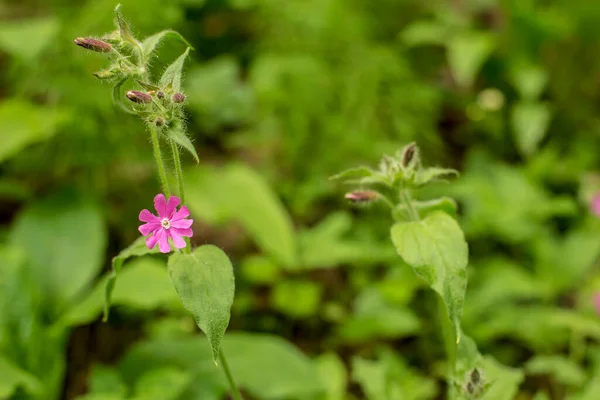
[{"x": 203, "y": 277}]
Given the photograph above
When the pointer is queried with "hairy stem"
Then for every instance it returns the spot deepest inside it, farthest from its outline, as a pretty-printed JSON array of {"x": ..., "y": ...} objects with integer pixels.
[
  {"x": 234, "y": 389},
  {"x": 160, "y": 165},
  {"x": 413, "y": 214},
  {"x": 180, "y": 185}
]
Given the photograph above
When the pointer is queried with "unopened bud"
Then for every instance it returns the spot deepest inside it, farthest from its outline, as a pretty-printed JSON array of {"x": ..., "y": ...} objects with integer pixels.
[
  {"x": 178, "y": 98},
  {"x": 139, "y": 97},
  {"x": 159, "y": 121},
  {"x": 364, "y": 196},
  {"x": 160, "y": 94},
  {"x": 408, "y": 154},
  {"x": 93, "y": 44},
  {"x": 475, "y": 376}
]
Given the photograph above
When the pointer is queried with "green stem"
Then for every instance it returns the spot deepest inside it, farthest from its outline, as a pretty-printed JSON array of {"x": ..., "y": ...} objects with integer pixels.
[
  {"x": 413, "y": 214},
  {"x": 180, "y": 185},
  {"x": 234, "y": 389},
  {"x": 159, "y": 163}
]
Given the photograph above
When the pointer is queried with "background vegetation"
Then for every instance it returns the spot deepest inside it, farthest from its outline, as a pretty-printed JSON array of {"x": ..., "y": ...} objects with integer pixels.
[{"x": 281, "y": 95}]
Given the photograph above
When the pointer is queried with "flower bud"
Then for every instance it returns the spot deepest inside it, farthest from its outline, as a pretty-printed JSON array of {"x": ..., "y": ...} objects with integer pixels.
[
  {"x": 139, "y": 97},
  {"x": 93, "y": 44},
  {"x": 361, "y": 197},
  {"x": 178, "y": 98},
  {"x": 159, "y": 121},
  {"x": 408, "y": 154}
]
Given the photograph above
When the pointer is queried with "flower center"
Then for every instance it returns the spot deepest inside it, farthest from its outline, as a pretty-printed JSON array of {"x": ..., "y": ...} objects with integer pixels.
[{"x": 165, "y": 223}]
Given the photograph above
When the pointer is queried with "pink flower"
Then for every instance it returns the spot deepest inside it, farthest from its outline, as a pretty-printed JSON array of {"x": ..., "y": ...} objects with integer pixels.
[
  {"x": 169, "y": 224},
  {"x": 595, "y": 205}
]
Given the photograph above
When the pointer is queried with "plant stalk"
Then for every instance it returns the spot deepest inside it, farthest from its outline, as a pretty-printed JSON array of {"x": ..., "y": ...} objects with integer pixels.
[
  {"x": 180, "y": 185},
  {"x": 413, "y": 214},
  {"x": 159, "y": 163},
  {"x": 234, "y": 389}
]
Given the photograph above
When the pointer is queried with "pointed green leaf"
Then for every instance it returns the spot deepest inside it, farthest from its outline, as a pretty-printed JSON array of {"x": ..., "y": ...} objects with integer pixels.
[
  {"x": 124, "y": 29},
  {"x": 172, "y": 75},
  {"x": 205, "y": 284},
  {"x": 149, "y": 44},
  {"x": 177, "y": 135},
  {"x": 530, "y": 122},
  {"x": 436, "y": 249},
  {"x": 136, "y": 249},
  {"x": 466, "y": 54},
  {"x": 353, "y": 173},
  {"x": 434, "y": 174}
]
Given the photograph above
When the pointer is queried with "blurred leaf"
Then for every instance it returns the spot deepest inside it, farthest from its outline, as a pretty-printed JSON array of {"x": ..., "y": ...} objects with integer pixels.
[
  {"x": 143, "y": 285},
  {"x": 205, "y": 284},
  {"x": 333, "y": 374},
  {"x": 106, "y": 380},
  {"x": 495, "y": 283},
  {"x": 23, "y": 124},
  {"x": 530, "y": 80},
  {"x": 163, "y": 383},
  {"x": 260, "y": 270},
  {"x": 421, "y": 33},
  {"x": 326, "y": 246},
  {"x": 467, "y": 52},
  {"x": 389, "y": 378},
  {"x": 435, "y": 248},
  {"x": 501, "y": 202},
  {"x": 530, "y": 122},
  {"x": 13, "y": 377},
  {"x": 27, "y": 39},
  {"x": 373, "y": 318},
  {"x": 150, "y": 43},
  {"x": 172, "y": 76},
  {"x": 561, "y": 368},
  {"x": 217, "y": 96},
  {"x": 136, "y": 249},
  {"x": 64, "y": 238},
  {"x": 239, "y": 193},
  {"x": 299, "y": 299},
  {"x": 266, "y": 366}
]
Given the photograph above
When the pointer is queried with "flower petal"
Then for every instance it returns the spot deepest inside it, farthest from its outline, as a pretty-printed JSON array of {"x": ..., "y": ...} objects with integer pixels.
[
  {"x": 182, "y": 223},
  {"x": 146, "y": 229},
  {"x": 187, "y": 232},
  {"x": 172, "y": 205},
  {"x": 163, "y": 242},
  {"x": 152, "y": 240},
  {"x": 181, "y": 214},
  {"x": 177, "y": 239},
  {"x": 161, "y": 206},
  {"x": 147, "y": 216}
]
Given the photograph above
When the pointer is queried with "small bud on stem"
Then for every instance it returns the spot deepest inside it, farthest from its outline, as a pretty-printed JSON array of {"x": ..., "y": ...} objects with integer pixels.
[
  {"x": 93, "y": 44},
  {"x": 159, "y": 121},
  {"x": 139, "y": 97},
  {"x": 408, "y": 154},
  {"x": 178, "y": 98},
  {"x": 362, "y": 197}
]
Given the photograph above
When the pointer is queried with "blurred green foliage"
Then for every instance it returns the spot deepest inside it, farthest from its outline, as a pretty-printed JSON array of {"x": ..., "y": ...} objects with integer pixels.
[{"x": 282, "y": 95}]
